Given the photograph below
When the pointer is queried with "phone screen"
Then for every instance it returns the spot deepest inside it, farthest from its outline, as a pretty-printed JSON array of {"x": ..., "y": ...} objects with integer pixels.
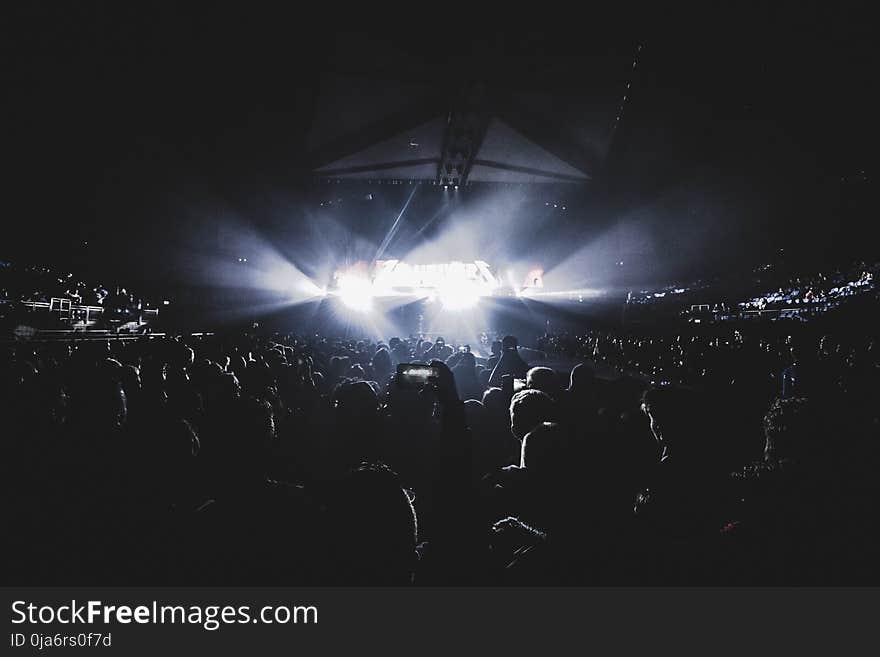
[{"x": 414, "y": 374}]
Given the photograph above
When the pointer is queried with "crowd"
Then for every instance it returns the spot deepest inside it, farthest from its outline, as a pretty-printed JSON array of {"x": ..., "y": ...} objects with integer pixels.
[
  {"x": 768, "y": 288},
  {"x": 823, "y": 291},
  {"x": 23, "y": 285},
  {"x": 306, "y": 460},
  {"x": 723, "y": 357}
]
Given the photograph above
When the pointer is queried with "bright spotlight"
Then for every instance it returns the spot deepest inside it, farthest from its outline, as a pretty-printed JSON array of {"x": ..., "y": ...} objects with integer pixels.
[
  {"x": 356, "y": 292},
  {"x": 455, "y": 286},
  {"x": 360, "y": 303},
  {"x": 309, "y": 288},
  {"x": 458, "y": 296},
  {"x": 459, "y": 302}
]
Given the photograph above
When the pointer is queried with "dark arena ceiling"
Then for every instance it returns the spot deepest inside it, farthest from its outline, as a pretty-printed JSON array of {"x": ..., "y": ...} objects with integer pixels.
[
  {"x": 688, "y": 149},
  {"x": 491, "y": 113}
]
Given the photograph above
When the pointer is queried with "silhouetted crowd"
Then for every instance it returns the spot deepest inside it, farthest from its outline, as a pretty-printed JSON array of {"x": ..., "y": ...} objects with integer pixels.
[
  {"x": 23, "y": 286},
  {"x": 307, "y": 460},
  {"x": 823, "y": 291},
  {"x": 771, "y": 287}
]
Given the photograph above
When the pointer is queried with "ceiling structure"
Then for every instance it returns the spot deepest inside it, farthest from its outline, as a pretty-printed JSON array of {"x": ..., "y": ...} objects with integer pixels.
[{"x": 505, "y": 121}]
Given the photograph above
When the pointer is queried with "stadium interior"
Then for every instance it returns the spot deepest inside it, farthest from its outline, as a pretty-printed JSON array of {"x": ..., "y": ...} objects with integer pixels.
[{"x": 302, "y": 302}]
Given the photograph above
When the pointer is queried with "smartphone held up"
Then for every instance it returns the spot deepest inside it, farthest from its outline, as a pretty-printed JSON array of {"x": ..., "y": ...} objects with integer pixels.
[{"x": 416, "y": 375}]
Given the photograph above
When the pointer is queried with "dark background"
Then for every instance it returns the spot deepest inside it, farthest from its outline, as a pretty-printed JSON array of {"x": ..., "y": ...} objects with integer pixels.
[{"x": 131, "y": 130}]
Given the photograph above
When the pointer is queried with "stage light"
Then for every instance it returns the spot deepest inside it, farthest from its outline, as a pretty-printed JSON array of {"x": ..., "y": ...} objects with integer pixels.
[
  {"x": 309, "y": 289},
  {"x": 458, "y": 295},
  {"x": 459, "y": 301},
  {"x": 356, "y": 292},
  {"x": 357, "y": 302}
]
